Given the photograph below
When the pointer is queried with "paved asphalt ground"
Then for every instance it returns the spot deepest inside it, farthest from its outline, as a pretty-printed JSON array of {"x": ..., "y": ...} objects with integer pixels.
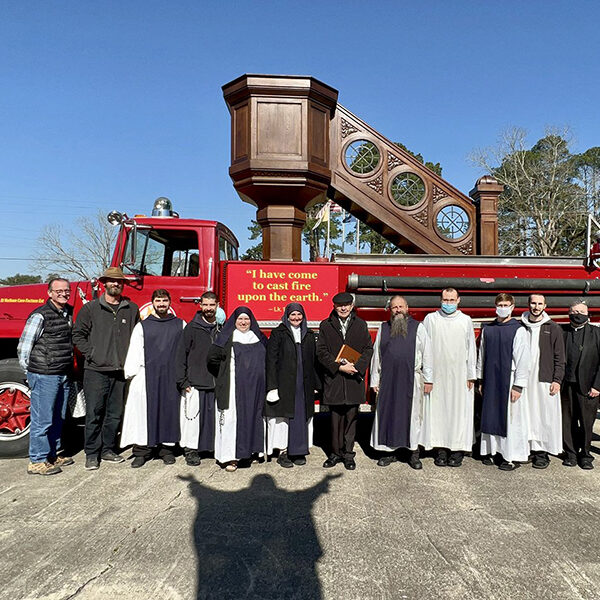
[{"x": 177, "y": 532}]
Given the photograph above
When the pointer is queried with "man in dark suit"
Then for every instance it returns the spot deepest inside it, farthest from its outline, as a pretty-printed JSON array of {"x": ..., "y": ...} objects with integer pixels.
[
  {"x": 344, "y": 386},
  {"x": 581, "y": 386}
]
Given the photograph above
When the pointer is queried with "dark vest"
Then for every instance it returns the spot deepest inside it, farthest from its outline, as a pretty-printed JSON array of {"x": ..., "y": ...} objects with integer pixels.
[{"x": 52, "y": 354}]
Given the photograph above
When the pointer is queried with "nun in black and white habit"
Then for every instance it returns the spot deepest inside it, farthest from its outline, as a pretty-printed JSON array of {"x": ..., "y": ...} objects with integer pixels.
[
  {"x": 237, "y": 360},
  {"x": 291, "y": 382}
]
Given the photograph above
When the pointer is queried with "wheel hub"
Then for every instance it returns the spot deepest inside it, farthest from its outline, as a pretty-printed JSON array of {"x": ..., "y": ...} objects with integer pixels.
[{"x": 14, "y": 410}]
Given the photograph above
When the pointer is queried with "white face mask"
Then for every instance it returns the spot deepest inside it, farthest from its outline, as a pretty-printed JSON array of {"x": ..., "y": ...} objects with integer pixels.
[{"x": 504, "y": 311}]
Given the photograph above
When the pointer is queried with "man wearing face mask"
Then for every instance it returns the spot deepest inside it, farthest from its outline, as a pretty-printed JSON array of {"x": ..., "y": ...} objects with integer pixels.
[
  {"x": 401, "y": 376},
  {"x": 581, "y": 386},
  {"x": 344, "y": 387},
  {"x": 503, "y": 367},
  {"x": 448, "y": 412},
  {"x": 547, "y": 370},
  {"x": 102, "y": 333}
]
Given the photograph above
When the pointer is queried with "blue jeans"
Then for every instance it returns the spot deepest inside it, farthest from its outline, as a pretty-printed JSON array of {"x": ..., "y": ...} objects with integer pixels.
[{"x": 49, "y": 395}]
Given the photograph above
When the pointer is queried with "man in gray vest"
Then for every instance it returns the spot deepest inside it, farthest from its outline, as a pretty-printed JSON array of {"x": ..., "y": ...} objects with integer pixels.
[{"x": 46, "y": 354}]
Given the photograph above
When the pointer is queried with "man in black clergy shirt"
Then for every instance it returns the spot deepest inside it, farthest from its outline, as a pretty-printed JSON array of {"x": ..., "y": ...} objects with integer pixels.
[
  {"x": 344, "y": 386},
  {"x": 581, "y": 386}
]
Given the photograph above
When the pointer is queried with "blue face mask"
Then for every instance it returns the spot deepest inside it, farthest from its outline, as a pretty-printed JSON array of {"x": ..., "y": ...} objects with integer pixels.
[
  {"x": 449, "y": 308},
  {"x": 220, "y": 316}
]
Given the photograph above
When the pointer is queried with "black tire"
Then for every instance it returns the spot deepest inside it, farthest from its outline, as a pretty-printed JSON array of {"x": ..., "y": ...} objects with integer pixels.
[{"x": 13, "y": 445}]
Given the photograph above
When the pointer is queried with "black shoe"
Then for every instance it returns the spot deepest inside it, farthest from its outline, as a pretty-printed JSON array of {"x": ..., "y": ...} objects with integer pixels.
[
  {"x": 487, "y": 460},
  {"x": 284, "y": 461},
  {"x": 569, "y": 462},
  {"x": 414, "y": 462},
  {"x": 137, "y": 462},
  {"x": 332, "y": 461},
  {"x": 300, "y": 461},
  {"x": 539, "y": 462},
  {"x": 113, "y": 457},
  {"x": 169, "y": 459},
  {"x": 91, "y": 463},
  {"x": 440, "y": 460},
  {"x": 455, "y": 459},
  {"x": 506, "y": 466},
  {"x": 192, "y": 458},
  {"x": 349, "y": 464},
  {"x": 586, "y": 464},
  {"x": 386, "y": 461}
]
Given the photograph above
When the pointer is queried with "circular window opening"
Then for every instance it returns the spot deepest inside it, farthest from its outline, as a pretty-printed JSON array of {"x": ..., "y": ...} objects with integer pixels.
[
  {"x": 452, "y": 222},
  {"x": 408, "y": 189},
  {"x": 362, "y": 156}
]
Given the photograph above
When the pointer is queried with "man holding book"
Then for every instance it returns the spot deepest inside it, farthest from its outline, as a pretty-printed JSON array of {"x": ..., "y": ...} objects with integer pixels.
[{"x": 344, "y": 350}]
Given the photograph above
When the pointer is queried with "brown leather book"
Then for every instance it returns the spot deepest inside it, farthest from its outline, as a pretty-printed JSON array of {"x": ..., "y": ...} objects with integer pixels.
[{"x": 349, "y": 353}]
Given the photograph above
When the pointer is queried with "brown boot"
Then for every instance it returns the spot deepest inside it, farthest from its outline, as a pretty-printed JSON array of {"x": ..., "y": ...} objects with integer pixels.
[
  {"x": 43, "y": 468},
  {"x": 61, "y": 461}
]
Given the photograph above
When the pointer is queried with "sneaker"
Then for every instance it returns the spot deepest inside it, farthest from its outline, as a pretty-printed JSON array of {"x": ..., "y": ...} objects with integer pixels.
[
  {"x": 113, "y": 457},
  {"x": 168, "y": 459},
  {"x": 284, "y": 461},
  {"x": 43, "y": 468},
  {"x": 192, "y": 458},
  {"x": 441, "y": 460},
  {"x": 414, "y": 462},
  {"x": 61, "y": 461},
  {"x": 487, "y": 460},
  {"x": 92, "y": 463},
  {"x": 137, "y": 462}
]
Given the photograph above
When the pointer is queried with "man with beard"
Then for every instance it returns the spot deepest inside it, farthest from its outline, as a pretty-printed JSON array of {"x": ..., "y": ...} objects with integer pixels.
[
  {"x": 448, "y": 411},
  {"x": 102, "y": 333},
  {"x": 151, "y": 420},
  {"x": 543, "y": 404},
  {"x": 503, "y": 365},
  {"x": 196, "y": 384},
  {"x": 581, "y": 386},
  {"x": 401, "y": 374},
  {"x": 344, "y": 387}
]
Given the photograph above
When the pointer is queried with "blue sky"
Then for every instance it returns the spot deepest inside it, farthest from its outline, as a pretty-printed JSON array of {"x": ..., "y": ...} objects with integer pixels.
[{"x": 108, "y": 105}]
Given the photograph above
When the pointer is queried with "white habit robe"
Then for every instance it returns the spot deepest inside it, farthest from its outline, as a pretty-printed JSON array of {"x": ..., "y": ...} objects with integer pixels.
[
  {"x": 515, "y": 446},
  {"x": 226, "y": 420},
  {"x": 543, "y": 410},
  {"x": 135, "y": 419},
  {"x": 278, "y": 427},
  {"x": 423, "y": 373},
  {"x": 448, "y": 414}
]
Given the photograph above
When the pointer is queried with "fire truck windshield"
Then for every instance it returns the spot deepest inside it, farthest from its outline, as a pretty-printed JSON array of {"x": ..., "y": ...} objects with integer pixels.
[{"x": 163, "y": 252}]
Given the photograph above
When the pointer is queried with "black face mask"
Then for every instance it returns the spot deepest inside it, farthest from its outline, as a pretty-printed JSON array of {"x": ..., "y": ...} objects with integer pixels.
[{"x": 578, "y": 319}]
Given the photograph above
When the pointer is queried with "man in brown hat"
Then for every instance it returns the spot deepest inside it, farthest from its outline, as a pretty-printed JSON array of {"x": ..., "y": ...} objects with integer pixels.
[{"x": 102, "y": 333}]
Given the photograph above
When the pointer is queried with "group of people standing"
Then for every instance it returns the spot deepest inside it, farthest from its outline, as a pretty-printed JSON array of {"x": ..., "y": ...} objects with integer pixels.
[
  {"x": 228, "y": 390},
  {"x": 539, "y": 385}
]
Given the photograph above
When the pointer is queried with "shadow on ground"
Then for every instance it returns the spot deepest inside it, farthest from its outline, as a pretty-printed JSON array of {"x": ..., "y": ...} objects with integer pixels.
[{"x": 257, "y": 542}]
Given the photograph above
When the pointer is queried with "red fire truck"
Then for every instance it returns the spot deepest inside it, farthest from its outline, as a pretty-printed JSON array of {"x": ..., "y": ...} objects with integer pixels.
[{"x": 190, "y": 256}]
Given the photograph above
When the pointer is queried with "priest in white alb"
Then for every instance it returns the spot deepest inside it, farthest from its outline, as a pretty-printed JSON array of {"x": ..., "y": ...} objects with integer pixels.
[
  {"x": 448, "y": 410},
  {"x": 543, "y": 404}
]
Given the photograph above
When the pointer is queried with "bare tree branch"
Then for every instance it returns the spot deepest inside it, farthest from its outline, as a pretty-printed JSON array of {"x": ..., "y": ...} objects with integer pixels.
[{"x": 83, "y": 252}]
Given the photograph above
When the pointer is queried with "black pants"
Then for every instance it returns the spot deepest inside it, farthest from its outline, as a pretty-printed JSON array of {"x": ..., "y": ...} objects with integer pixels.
[
  {"x": 104, "y": 400},
  {"x": 343, "y": 429},
  {"x": 147, "y": 451},
  {"x": 578, "y": 416}
]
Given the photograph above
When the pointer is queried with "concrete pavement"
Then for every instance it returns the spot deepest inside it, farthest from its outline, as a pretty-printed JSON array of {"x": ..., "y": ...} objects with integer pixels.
[{"x": 265, "y": 532}]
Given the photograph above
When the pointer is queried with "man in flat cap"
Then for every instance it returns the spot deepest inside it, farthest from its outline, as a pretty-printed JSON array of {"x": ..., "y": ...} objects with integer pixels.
[
  {"x": 344, "y": 387},
  {"x": 102, "y": 333}
]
